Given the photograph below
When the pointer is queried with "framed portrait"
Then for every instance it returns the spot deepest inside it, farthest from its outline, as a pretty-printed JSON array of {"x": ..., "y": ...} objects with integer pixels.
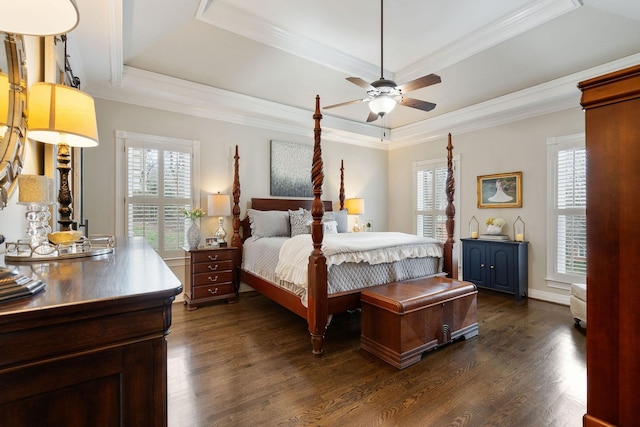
[
  {"x": 210, "y": 241},
  {"x": 503, "y": 190}
]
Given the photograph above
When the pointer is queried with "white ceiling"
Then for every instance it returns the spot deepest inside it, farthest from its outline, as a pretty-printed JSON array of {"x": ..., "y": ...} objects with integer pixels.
[{"x": 263, "y": 62}]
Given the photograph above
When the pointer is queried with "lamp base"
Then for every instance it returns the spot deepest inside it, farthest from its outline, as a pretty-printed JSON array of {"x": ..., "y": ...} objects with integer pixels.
[{"x": 220, "y": 233}]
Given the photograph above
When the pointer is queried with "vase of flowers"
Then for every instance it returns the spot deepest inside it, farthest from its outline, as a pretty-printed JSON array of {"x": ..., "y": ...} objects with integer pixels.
[
  {"x": 193, "y": 233},
  {"x": 494, "y": 225}
]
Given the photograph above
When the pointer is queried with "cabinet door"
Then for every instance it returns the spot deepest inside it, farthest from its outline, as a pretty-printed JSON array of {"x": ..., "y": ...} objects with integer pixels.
[
  {"x": 502, "y": 275},
  {"x": 474, "y": 263}
]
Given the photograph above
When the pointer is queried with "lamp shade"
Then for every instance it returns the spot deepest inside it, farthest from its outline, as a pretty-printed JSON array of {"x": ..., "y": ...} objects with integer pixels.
[
  {"x": 219, "y": 205},
  {"x": 62, "y": 114},
  {"x": 354, "y": 206},
  {"x": 34, "y": 189},
  {"x": 382, "y": 104},
  {"x": 38, "y": 17}
]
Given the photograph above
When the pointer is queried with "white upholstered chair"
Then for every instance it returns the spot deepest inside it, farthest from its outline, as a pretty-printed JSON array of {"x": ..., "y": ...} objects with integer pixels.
[{"x": 578, "y": 302}]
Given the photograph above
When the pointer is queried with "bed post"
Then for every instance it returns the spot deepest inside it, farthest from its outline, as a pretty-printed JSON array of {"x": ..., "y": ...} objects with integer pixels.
[
  {"x": 341, "y": 184},
  {"x": 318, "y": 311},
  {"x": 236, "y": 241},
  {"x": 450, "y": 266}
]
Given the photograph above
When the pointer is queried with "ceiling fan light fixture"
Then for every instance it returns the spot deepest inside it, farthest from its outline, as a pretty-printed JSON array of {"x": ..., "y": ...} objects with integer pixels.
[{"x": 382, "y": 104}]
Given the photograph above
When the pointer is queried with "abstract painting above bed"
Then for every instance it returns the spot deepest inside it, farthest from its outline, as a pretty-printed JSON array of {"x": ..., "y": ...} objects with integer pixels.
[{"x": 290, "y": 169}]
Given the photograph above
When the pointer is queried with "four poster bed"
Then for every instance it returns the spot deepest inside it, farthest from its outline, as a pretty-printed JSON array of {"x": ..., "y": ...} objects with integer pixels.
[{"x": 320, "y": 271}]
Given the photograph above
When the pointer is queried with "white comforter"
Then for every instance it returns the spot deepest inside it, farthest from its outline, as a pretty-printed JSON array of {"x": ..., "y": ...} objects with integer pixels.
[{"x": 373, "y": 248}]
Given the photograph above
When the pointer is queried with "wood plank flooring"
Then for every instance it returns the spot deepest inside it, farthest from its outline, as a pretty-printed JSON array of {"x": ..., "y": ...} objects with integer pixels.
[{"x": 250, "y": 364}]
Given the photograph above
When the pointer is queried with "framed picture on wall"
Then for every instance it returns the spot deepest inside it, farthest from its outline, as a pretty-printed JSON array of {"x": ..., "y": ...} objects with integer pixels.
[
  {"x": 503, "y": 190},
  {"x": 291, "y": 169}
]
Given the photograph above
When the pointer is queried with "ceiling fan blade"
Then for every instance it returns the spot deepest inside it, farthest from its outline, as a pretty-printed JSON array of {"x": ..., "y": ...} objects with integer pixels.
[
  {"x": 416, "y": 103},
  {"x": 358, "y": 81},
  {"x": 372, "y": 117},
  {"x": 355, "y": 101},
  {"x": 419, "y": 83}
]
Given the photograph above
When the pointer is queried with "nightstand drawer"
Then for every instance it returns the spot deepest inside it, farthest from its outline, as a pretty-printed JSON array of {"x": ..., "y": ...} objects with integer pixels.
[
  {"x": 212, "y": 266},
  {"x": 213, "y": 255},
  {"x": 212, "y": 290},
  {"x": 213, "y": 277}
]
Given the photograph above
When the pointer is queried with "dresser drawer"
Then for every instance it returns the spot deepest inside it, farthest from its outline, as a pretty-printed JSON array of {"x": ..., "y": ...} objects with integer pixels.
[
  {"x": 207, "y": 267},
  {"x": 212, "y": 290},
  {"x": 208, "y": 256},
  {"x": 213, "y": 277}
]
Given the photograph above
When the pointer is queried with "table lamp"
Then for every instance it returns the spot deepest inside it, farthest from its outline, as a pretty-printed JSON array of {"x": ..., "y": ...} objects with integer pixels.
[
  {"x": 219, "y": 205},
  {"x": 64, "y": 116},
  {"x": 355, "y": 206}
]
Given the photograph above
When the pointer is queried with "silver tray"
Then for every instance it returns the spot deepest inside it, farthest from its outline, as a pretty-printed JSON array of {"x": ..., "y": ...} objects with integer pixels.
[{"x": 22, "y": 251}]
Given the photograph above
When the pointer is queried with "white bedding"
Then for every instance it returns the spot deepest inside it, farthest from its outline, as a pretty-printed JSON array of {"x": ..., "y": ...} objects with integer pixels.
[{"x": 372, "y": 248}]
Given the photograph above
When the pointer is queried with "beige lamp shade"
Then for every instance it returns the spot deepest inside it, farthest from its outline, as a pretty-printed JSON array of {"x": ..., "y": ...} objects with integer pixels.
[
  {"x": 35, "y": 189},
  {"x": 62, "y": 114},
  {"x": 354, "y": 206},
  {"x": 38, "y": 17},
  {"x": 219, "y": 205}
]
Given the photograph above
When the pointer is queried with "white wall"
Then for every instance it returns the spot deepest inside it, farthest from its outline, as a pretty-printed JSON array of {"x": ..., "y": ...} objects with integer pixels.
[
  {"x": 518, "y": 146},
  {"x": 365, "y": 168}
]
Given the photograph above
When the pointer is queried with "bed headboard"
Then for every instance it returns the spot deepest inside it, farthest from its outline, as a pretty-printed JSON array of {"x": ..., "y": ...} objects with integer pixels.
[{"x": 278, "y": 205}]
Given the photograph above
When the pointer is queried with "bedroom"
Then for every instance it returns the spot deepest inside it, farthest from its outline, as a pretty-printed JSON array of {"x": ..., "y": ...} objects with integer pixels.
[{"x": 382, "y": 175}]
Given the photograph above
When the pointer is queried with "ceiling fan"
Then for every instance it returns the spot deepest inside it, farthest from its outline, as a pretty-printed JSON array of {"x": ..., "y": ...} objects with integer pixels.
[{"x": 383, "y": 94}]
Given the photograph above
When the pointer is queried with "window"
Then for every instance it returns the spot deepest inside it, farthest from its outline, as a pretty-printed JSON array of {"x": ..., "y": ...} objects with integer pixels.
[
  {"x": 567, "y": 210},
  {"x": 430, "y": 179},
  {"x": 160, "y": 181}
]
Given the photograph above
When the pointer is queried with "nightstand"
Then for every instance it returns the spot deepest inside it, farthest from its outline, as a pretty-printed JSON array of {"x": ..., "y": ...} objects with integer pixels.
[{"x": 212, "y": 275}]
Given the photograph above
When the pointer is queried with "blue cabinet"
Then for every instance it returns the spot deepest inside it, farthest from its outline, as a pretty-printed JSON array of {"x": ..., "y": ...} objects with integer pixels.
[{"x": 498, "y": 265}]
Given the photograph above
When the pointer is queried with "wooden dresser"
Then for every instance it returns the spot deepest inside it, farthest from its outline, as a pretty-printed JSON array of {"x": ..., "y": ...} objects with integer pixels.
[
  {"x": 612, "y": 123},
  {"x": 213, "y": 274},
  {"x": 89, "y": 350}
]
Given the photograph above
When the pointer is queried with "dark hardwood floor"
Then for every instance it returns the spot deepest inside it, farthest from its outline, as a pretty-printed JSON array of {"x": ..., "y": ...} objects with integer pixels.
[{"x": 250, "y": 364}]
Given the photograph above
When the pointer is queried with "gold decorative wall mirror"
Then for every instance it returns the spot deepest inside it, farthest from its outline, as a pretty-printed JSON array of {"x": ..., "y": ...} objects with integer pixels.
[{"x": 13, "y": 98}]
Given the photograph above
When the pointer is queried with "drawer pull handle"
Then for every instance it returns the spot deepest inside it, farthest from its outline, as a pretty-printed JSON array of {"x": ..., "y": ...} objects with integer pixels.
[
  {"x": 482, "y": 265},
  {"x": 492, "y": 267},
  {"x": 215, "y": 279},
  {"x": 212, "y": 268},
  {"x": 213, "y": 291},
  {"x": 213, "y": 258}
]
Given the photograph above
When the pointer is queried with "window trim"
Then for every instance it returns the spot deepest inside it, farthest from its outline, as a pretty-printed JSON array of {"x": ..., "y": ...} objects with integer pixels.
[
  {"x": 554, "y": 145},
  {"x": 149, "y": 140}
]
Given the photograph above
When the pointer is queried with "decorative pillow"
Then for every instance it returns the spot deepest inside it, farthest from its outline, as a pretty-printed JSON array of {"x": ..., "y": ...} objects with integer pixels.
[
  {"x": 269, "y": 223},
  {"x": 299, "y": 221},
  {"x": 330, "y": 227},
  {"x": 342, "y": 219}
]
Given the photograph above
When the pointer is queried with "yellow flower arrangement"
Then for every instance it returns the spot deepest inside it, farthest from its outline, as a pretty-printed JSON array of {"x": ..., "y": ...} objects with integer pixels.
[
  {"x": 193, "y": 213},
  {"x": 498, "y": 222}
]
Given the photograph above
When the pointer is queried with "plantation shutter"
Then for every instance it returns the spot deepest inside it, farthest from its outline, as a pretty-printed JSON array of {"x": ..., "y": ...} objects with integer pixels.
[
  {"x": 158, "y": 189},
  {"x": 431, "y": 201},
  {"x": 571, "y": 206}
]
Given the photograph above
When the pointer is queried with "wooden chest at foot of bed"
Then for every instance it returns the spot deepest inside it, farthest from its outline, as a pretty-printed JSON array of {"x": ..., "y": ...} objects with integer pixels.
[{"x": 402, "y": 320}]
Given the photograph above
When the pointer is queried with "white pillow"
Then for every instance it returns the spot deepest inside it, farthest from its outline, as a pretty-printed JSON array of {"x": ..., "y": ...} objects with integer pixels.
[
  {"x": 269, "y": 223},
  {"x": 330, "y": 227}
]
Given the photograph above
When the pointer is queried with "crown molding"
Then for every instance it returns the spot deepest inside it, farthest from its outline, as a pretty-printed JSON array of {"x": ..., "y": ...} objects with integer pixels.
[
  {"x": 534, "y": 14},
  {"x": 546, "y": 98},
  {"x": 152, "y": 90},
  {"x": 253, "y": 27}
]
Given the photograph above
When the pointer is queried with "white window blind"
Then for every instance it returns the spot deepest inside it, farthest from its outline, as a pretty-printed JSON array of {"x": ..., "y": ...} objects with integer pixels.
[
  {"x": 568, "y": 219},
  {"x": 160, "y": 183},
  {"x": 431, "y": 200}
]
